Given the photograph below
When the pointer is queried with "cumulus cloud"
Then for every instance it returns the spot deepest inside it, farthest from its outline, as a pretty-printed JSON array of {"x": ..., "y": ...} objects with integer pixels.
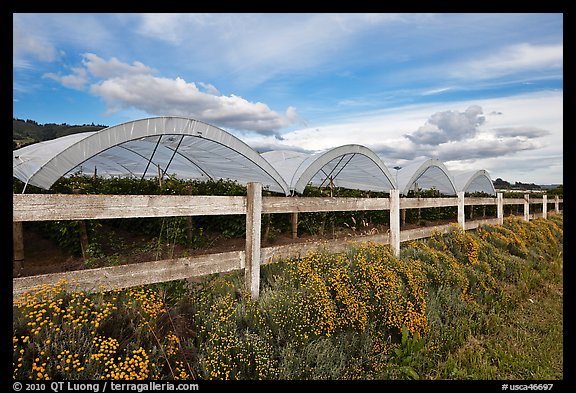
[
  {"x": 123, "y": 86},
  {"x": 447, "y": 126},
  {"x": 457, "y": 136},
  {"x": 76, "y": 80},
  {"x": 209, "y": 88},
  {"x": 113, "y": 68},
  {"x": 451, "y": 136},
  {"x": 462, "y": 136}
]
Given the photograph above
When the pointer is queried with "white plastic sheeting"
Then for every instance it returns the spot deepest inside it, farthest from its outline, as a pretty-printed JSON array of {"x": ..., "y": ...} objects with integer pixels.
[
  {"x": 347, "y": 166},
  {"x": 190, "y": 149},
  {"x": 187, "y": 148},
  {"x": 474, "y": 181},
  {"x": 426, "y": 174}
]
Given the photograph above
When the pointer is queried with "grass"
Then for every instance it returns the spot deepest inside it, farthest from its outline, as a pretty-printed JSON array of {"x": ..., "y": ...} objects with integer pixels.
[
  {"x": 523, "y": 342},
  {"x": 483, "y": 305}
]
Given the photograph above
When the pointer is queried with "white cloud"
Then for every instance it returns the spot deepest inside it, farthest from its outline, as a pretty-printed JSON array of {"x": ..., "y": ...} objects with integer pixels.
[
  {"x": 163, "y": 96},
  {"x": 209, "y": 88},
  {"x": 25, "y": 44},
  {"x": 510, "y": 60},
  {"x": 448, "y": 126},
  {"x": 329, "y": 64},
  {"x": 125, "y": 86},
  {"x": 169, "y": 27},
  {"x": 528, "y": 132},
  {"x": 113, "y": 68},
  {"x": 515, "y": 129},
  {"x": 255, "y": 48},
  {"x": 77, "y": 80}
]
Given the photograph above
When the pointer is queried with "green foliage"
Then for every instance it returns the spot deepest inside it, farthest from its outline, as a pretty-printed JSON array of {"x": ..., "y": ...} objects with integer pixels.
[
  {"x": 329, "y": 222},
  {"x": 408, "y": 353},
  {"x": 66, "y": 234},
  {"x": 167, "y": 230},
  {"x": 362, "y": 314},
  {"x": 25, "y": 132},
  {"x": 176, "y": 230}
]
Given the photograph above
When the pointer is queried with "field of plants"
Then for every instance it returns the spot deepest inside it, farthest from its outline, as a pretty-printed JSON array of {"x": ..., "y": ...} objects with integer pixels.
[
  {"x": 163, "y": 236},
  {"x": 454, "y": 306}
]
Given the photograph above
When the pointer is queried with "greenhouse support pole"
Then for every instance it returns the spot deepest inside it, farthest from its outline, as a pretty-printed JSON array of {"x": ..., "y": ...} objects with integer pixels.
[
  {"x": 253, "y": 230},
  {"x": 461, "y": 213},
  {"x": 395, "y": 221},
  {"x": 500, "y": 208},
  {"x": 526, "y": 207},
  {"x": 544, "y": 206}
]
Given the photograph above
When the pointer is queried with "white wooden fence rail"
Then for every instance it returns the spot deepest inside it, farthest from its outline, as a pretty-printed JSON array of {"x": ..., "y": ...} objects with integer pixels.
[{"x": 47, "y": 207}]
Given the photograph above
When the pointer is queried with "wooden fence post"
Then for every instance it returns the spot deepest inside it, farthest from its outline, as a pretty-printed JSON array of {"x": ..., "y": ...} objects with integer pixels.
[
  {"x": 500, "y": 208},
  {"x": 18, "y": 244},
  {"x": 526, "y": 207},
  {"x": 395, "y": 221},
  {"x": 253, "y": 234},
  {"x": 544, "y": 206},
  {"x": 557, "y": 204},
  {"x": 461, "y": 212},
  {"x": 84, "y": 243},
  {"x": 294, "y": 221}
]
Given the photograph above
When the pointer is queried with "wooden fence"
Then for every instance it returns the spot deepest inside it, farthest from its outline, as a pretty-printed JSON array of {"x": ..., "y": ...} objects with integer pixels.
[{"x": 47, "y": 207}]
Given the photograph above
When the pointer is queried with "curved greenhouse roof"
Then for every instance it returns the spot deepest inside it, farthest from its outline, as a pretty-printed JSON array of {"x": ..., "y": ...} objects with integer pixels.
[
  {"x": 426, "y": 174},
  {"x": 347, "y": 166},
  {"x": 187, "y": 148},
  {"x": 193, "y": 150},
  {"x": 474, "y": 181}
]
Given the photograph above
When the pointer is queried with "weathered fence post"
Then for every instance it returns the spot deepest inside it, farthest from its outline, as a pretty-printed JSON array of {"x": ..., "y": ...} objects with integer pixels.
[
  {"x": 395, "y": 221},
  {"x": 18, "y": 244},
  {"x": 84, "y": 243},
  {"x": 557, "y": 204},
  {"x": 253, "y": 230},
  {"x": 461, "y": 212},
  {"x": 294, "y": 221},
  {"x": 500, "y": 208},
  {"x": 526, "y": 207},
  {"x": 544, "y": 206}
]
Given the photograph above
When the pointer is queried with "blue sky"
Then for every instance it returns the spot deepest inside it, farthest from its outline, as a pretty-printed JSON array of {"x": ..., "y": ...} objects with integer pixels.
[{"x": 477, "y": 91}]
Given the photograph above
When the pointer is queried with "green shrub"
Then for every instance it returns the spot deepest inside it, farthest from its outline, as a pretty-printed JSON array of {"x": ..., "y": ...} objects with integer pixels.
[{"x": 359, "y": 314}]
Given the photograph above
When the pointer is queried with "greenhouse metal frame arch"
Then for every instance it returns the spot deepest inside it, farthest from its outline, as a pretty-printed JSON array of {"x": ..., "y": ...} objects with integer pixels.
[
  {"x": 197, "y": 148},
  {"x": 193, "y": 150},
  {"x": 427, "y": 174},
  {"x": 348, "y": 166},
  {"x": 474, "y": 181}
]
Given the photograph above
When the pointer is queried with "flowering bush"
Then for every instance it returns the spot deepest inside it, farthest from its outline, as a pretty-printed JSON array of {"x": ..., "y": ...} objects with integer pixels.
[
  {"x": 363, "y": 313},
  {"x": 108, "y": 335}
]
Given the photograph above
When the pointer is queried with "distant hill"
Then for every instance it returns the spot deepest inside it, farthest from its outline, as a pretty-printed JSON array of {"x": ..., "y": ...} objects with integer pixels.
[
  {"x": 26, "y": 132},
  {"x": 504, "y": 185},
  {"x": 551, "y": 189}
]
